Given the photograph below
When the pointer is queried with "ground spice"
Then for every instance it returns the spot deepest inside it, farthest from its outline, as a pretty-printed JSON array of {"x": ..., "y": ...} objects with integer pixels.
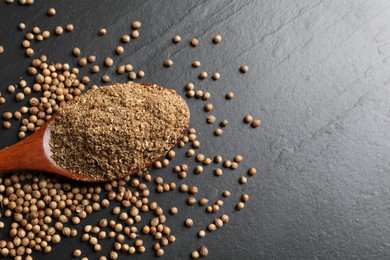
[{"x": 117, "y": 129}]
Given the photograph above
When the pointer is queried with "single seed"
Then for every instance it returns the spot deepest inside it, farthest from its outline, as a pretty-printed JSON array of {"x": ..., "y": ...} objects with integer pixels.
[
  {"x": 51, "y": 11},
  {"x": 19, "y": 96},
  {"x": 201, "y": 233},
  {"x": 136, "y": 25},
  {"x": 244, "y": 197},
  {"x": 102, "y": 31},
  {"x": 198, "y": 169},
  {"x": 218, "y": 223},
  {"x": 194, "y": 42},
  {"x": 203, "y": 201},
  {"x": 168, "y": 63},
  {"x": 29, "y": 52},
  {"x": 190, "y": 153},
  {"x": 119, "y": 50},
  {"x": 218, "y": 172},
  {"x": 77, "y": 253},
  {"x": 141, "y": 74},
  {"x": 212, "y": 227},
  {"x": 108, "y": 61},
  {"x": 256, "y": 123},
  {"x": 217, "y": 39},
  {"x": 229, "y": 95},
  {"x": 176, "y": 39},
  {"x": 216, "y": 76},
  {"x": 247, "y": 119},
  {"x": 76, "y": 52},
  {"x": 243, "y": 180},
  {"x": 22, "y": 26},
  {"x": 11, "y": 89},
  {"x": 224, "y": 123},
  {"x": 95, "y": 69},
  {"x": 206, "y": 95},
  {"x": 240, "y": 206},
  {"x": 196, "y": 64},
  {"x": 225, "y": 218},
  {"x": 189, "y": 222},
  {"x": 195, "y": 255},
  {"x": 211, "y": 119},
  {"x": 59, "y": 30},
  {"x": 174, "y": 210},
  {"x": 7, "y": 124},
  {"x": 203, "y": 251},
  {"x": 135, "y": 34},
  {"x": 252, "y": 171},
  {"x": 125, "y": 38},
  {"x": 208, "y": 107},
  {"x": 203, "y": 75},
  {"x": 218, "y": 132},
  {"x": 91, "y": 58},
  {"x": 106, "y": 78},
  {"x": 244, "y": 69},
  {"x": 69, "y": 27}
]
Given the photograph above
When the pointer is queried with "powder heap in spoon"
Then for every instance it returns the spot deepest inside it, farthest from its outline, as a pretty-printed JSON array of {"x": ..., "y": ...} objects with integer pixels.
[{"x": 113, "y": 130}]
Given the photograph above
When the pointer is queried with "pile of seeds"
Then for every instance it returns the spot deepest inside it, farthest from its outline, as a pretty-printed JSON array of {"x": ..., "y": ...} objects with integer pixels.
[
  {"x": 113, "y": 130},
  {"x": 43, "y": 210}
]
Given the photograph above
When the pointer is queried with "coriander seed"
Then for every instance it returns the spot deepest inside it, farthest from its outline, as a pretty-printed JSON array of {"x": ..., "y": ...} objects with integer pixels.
[
  {"x": 203, "y": 75},
  {"x": 135, "y": 34},
  {"x": 244, "y": 69},
  {"x": 256, "y": 123},
  {"x": 77, "y": 253},
  {"x": 136, "y": 25},
  {"x": 247, "y": 119},
  {"x": 108, "y": 61},
  {"x": 168, "y": 63},
  {"x": 69, "y": 27},
  {"x": 102, "y": 32},
  {"x": 194, "y": 42},
  {"x": 240, "y": 206},
  {"x": 196, "y": 64},
  {"x": 229, "y": 95},
  {"x": 189, "y": 222},
  {"x": 216, "y": 76},
  {"x": 201, "y": 233},
  {"x": 244, "y": 197},
  {"x": 208, "y": 107},
  {"x": 243, "y": 180},
  {"x": 176, "y": 39},
  {"x": 59, "y": 30},
  {"x": 217, "y": 39},
  {"x": 203, "y": 251},
  {"x": 218, "y": 132},
  {"x": 125, "y": 38},
  {"x": 211, "y": 119},
  {"x": 252, "y": 171},
  {"x": 119, "y": 50},
  {"x": 173, "y": 211},
  {"x": 51, "y": 11}
]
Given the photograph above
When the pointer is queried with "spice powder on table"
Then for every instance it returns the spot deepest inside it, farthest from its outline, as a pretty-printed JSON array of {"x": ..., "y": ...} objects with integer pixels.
[{"x": 113, "y": 130}]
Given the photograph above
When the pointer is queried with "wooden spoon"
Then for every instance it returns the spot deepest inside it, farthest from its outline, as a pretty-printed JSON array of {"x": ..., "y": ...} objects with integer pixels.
[{"x": 34, "y": 154}]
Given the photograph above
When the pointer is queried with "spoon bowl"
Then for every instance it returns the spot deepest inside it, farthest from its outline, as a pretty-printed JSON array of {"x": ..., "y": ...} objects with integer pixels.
[{"x": 34, "y": 154}]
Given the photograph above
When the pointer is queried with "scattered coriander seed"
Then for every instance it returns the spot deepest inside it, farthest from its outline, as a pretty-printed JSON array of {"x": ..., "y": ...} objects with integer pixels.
[
  {"x": 240, "y": 205},
  {"x": 83, "y": 62},
  {"x": 201, "y": 233},
  {"x": 218, "y": 223},
  {"x": 129, "y": 67},
  {"x": 203, "y": 251},
  {"x": 159, "y": 252},
  {"x": 199, "y": 94},
  {"x": 135, "y": 34},
  {"x": 176, "y": 39},
  {"x": 208, "y": 107},
  {"x": 59, "y": 30},
  {"x": 141, "y": 74},
  {"x": 11, "y": 89},
  {"x": 229, "y": 95},
  {"x": 19, "y": 96},
  {"x": 252, "y": 171},
  {"x": 95, "y": 69},
  {"x": 190, "y": 153},
  {"x": 51, "y": 11},
  {"x": 196, "y": 64},
  {"x": 211, "y": 119},
  {"x": 218, "y": 171},
  {"x": 21, "y": 26},
  {"x": 217, "y": 39},
  {"x": 198, "y": 169},
  {"x": 238, "y": 158},
  {"x": 125, "y": 38},
  {"x": 132, "y": 75},
  {"x": 189, "y": 222},
  {"x": 106, "y": 78},
  {"x": 244, "y": 197},
  {"x": 244, "y": 69},
  {"x": 102, "y": 32},
  {"x": 108, "y": 61},
  {"x": 29, "y": 52},
  {"x": 191, "y": 200},
  {"x": 77, "y": 253},
  {"x": 76, "y": 52},
  {"x": 194, "y": 42},
  {"x": 168, "y": 63},
  {"x": 119, "y": 50},
  {"x": 173, "y": 210},
  {"x": 234, "y": 165},
  {"x": 203, "y": 75},
  {"x": 216, "y": 76},
  {"x": 212, "y": 227},
  {"x": 224, "y": 123},
  {"x": 206, "y": 95},
  {"x": 243, "y": 180},
  {"x": 91, "y": 58},
  {"x": 69, "y": 27},
  {"x": 247, "y": 119},
  {"x": 218, "y": 132},
  {"x": 136, "y": 25},
  {"x": 203, "y": 201},
  {"x": 256, "y": 123},
  {"x": 7, "y": 124},
  {"x": 45, "y": 34}
]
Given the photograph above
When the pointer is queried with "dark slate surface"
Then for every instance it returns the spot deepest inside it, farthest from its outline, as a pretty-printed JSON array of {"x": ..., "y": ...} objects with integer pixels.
[{"x": 319, "y": 80}]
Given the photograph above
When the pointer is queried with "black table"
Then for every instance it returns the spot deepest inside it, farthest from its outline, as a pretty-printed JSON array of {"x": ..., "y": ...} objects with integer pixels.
[{"x": 319, "y": 80}]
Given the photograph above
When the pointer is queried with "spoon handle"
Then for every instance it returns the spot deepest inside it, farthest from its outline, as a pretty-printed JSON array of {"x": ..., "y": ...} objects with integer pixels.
[{"x": 25, "y": 155}]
